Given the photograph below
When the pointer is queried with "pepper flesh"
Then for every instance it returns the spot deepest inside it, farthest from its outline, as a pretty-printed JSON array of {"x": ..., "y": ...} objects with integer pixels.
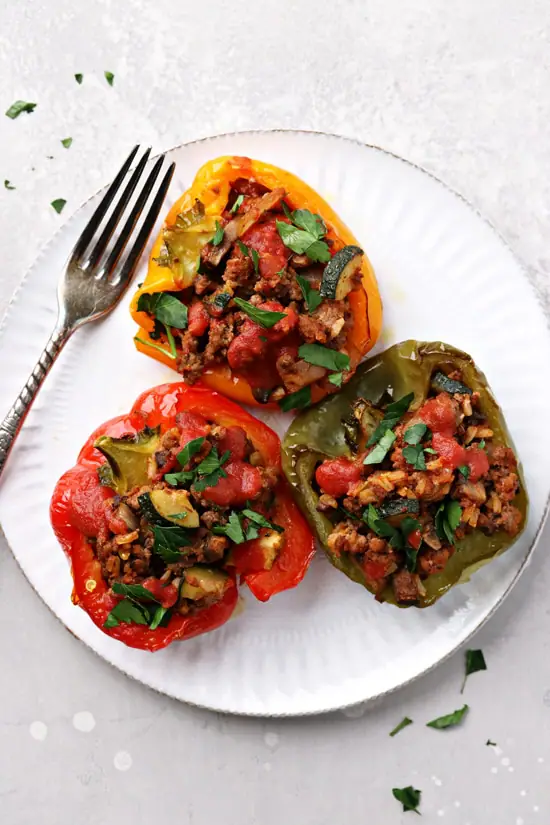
[
  {"x": 320, "y": 433},
  {"x": 212, "y": 187},
  {"x": 77, "y": 514}
]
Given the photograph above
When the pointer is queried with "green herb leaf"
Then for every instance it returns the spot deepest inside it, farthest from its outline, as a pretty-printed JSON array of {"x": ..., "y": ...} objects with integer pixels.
[
  {"x": 257, "y": 518},
  {"x": 336, "y": 378},
  {"x": 109, "y": 77},
  {"x": 382, "y": 528},
  {"x": 414, "y": 455},
  {"x": 450, "y": 720},
  {"x": 128, "y": 612},
  {"x": 190, "y": 450},
  {"x": 399, "y": 407},
  {"x": 409, "y": 798},
  {"x": 286, "y": 210},
  {"x": 481, "y": 444},
  {"x": 171, "y": 342},
  {"x": 475, "y": 661},
  {"x": 134, "y": 591},
  {"x": 158, "y": 616},
  {"x": 255, "y": 260},
  {"x": 8, "y": 185},
  {"x": 212, "y": 462},
  {"x": 405, "y": 722},
  {"x": 264, "y": 317},
  {"x": 67, "y": 142},
  {"x": 218, "y": 235},
  {"x": 239, "y": 200},
  {"x": 453, "y": 513},
  {"x": 430, "y": 450},
  {"x": 321, "y": 356},
  {"x": 392, "y": 415},
  {"x": 179, "y": 478},
  {"x": 489, "y": 742},
  {"x": 310, "y": 222},
  {"x": 166, "y": 308},
  {"x": 244, "y": 249},
  {"x": 154, "y": 346},
  {"x": 378, "y": 453},
  {"x": 19, "y": 107},
  {"x": 415, "y": 434},
  {"x": 79, "y": 78},
  {"x": 169, "y": 541},
  {"x": 312, "y": 297},
  {"x": 447, "y": 519},
  {"x": 58, "y": 205},
  {"x": 233, "y": 529},
  {"x": 296, "y": 400},
  {"x": 464, "y": 470},
  {"x": 304, "y": 238}
]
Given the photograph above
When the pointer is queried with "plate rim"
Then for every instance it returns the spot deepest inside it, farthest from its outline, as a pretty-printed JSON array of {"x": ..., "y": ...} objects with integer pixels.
[{"x": 369, "y": 702}]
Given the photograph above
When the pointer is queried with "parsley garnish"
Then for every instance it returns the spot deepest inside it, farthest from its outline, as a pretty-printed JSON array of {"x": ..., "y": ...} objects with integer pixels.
[
  {"x": 414, "y": 455},
  {"x": 159, "y": 615},
  {"x": 239, "y": 200},
  {"x": 264, "y": 317},
  {"x": 79, "y": 78},
  {"x": 296, "y": 400},
  {"x": 135, "y": 591},
  {"x": 481, "y": 444},
  {"x": 130, "y": 610},
  {"x": 489, "y": 742},
  {"x": 447, "y": 519},
  {"x": 109, "y": 77},
  {"x": 169, "y": 541},
  {"x": 58, "y": 205},
  {"x": 66, "y": 142},
  {"x": 304, "y": 236},
  {"x": 450, "y": 720},
  {"x": 382, "y": 528},
  {"x": 8, "y": 185},
  {"x": 218, "y": 234},
  {"x": 464, "y": 470},
  {"x": 255, "y": 259},
  {"x": 243, "y": 247},
  {"x": 154, "y": 346},
  {"x": 233, "y": 529},
  {"x": 210, "y": 470},
  {"x": 312, "y": 297},
  {"x": 190, "y": 450},
  {"x": 378, "y": 453},
  {"x": 415, "y": 434},
  {"x": 336, "y": 378},
  {"x": 475, "y": 661},
  {"x": 392, "y": 414},
  {"x": 257, "y": 518},
  {"x": 321, "y": 356},
  {"x": 409, "y": 797},
  {"x": 405, "y": 722},
  {"x": 168, "y": 309},
  {"x": 18, "y": 107},
  {"x": 409, "y": 525}
]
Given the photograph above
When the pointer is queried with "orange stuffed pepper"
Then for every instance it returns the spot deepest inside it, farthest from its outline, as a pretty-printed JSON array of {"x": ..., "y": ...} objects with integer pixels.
[{"x": 257, "y": 289}]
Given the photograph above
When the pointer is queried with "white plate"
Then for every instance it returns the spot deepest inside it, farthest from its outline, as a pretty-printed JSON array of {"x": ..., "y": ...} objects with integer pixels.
[{"x": 445, "y": 275}]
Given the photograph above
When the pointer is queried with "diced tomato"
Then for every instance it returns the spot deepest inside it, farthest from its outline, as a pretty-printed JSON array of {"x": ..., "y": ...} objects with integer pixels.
[
  {"x": 234, "y": 440},
  {"x": 283, "y": 327},
  {"x": 88, "y": 513},
  {"x": 243, "y": 482},
  {"x": 167, "y": 595},
  {"x": 375, "y": 570},
  {"x": 415, "y": 539},
  {"x": 449, "y": 450},
  {"x": 198, "y": 319},
  {"x": 477, "y": 462},
  {"x": 335, "y": 475},
  {"x": 193, "y": 425},
  {"x": 265, "y": 239},
  {"x": 115, "y": 523},
  {"x": 248, "y": 347},
  {"x": 439, "y": 414}
]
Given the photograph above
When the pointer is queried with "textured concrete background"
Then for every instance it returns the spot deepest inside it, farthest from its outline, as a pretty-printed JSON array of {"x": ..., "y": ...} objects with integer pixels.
[{"x": 462, "y": 89}]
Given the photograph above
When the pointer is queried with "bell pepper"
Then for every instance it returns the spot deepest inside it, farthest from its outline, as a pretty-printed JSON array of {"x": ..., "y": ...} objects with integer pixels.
[
  {"x": 322, "y": 432},
  {"x": 78, "y": 515},
  {"x": 211, "y": 187}
]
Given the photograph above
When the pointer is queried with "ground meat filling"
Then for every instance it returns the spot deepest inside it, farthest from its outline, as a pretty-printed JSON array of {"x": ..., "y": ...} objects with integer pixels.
[
  {"x": 257, "y": 267},
  {"x": 128, "y": 549},
  {"x": 459, "y": 465}
]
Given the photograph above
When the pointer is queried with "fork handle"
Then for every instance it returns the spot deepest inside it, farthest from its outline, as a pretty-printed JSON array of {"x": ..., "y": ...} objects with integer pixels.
[{"x": 12, "y": 423}]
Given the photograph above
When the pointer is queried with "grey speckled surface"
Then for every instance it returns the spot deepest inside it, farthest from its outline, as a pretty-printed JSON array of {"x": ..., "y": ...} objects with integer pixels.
[{"x": 461, "y": 89}]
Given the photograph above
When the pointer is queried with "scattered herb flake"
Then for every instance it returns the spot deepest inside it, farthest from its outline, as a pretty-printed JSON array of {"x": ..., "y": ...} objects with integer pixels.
[
  {"x": 415, "y": 434},
  {"x": 128, "y": 612},
  {"x": 489, "y": 742},
  {"x": 304, "y": 235},
  {"x": 378, "y": 453},
  {"x": 243, "y": 247},
  {"x": 414, "y": 455},
  {"x": 264, "y": 317},
  {"x": 321, "y": 356},
  {"x": 67, "y": 142},
  {"x": 133, "y": 591},
  {"x": 450, "y": 720},
  {"x": 190, "y": 450},
  {"x": 169, "y": 542},
  {"x": 255, "y": 260},
  {"x": 312, "y": 297},
  {"x": 109, "y": 77},
  {"x": 464, "y": 470},
  {"x": 336, "y": 378},
  {"x": 218, "y": 234},
  {"x": 239, "y": 200},
  {"x": 296, "y": 400},
  {"x": 58, "y": 205},
  {"x": 8, "y": 185},
  {"x": 79, "y": 78},
  {"x": 168, "y": 309},
  {"x": 393, "y": 413},
  {"x": 474, "y": 662},
  {"x": 19, "y": 107},
  {"x": 257, "y": 518},
  {"x": 409, "y": 798},
  {"x": 430, "y": 450},
  {"x": 154, "y": 346},
  {"x": 233, "y": 529},
  {"x": 405, "y": 722},
  {"x": 481, "y": 444},
  {"x": 158, "y": 616}
]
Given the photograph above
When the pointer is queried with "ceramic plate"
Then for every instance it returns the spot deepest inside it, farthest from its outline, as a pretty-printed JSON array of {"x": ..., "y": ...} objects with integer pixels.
[{"x": 444, "y": 274}]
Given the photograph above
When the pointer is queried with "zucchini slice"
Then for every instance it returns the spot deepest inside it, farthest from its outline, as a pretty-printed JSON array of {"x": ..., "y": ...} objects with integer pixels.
[
  {"x": 398, "y": 507},
  {"x": 201, "y": 582},
  {"x": 442, "y": 383},
  {"x": 161, "y": 507},
  {"x": 340, "y": 273},
  {"x": 127, "y": 459}
]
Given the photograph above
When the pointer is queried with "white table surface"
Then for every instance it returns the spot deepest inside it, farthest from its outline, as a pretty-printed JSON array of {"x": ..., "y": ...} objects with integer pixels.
[{"x": 462, "y": 89}]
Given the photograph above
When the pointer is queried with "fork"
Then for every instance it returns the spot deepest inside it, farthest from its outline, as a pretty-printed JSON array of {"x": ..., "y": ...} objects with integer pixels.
[{"x": 93, "y": 283}]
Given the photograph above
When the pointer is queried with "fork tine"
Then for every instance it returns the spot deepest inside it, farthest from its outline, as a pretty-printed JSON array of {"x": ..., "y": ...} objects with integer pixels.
[
  {"x": 132, "y": 219},
  {"x": 133, "y": 256},
  {"x": 105, "y": 236},
  {"x": 97, "y": 217}
]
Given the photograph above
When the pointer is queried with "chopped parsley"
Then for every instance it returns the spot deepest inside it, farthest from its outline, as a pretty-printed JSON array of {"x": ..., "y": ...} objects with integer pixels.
[
  {"x": 392, "y": 415},
  {"x": 233, "y": 529},
  {"x": 169, "y": 541},
  {"x": 255, "y": 259},
  {"x": 321, "y": 356},
  {"x": 447, "y": 519},
  {"x": 415, "y": 434},
  {"x": 304, "y": 235},
  {"x": 336, "y": 378},
  {"x": 66, "y": 142},
  {"x": 79, "y": 78},
  {"x": 474, "y": 662},
  {"x": 264, "y": 317},
  {"x": 260, "y": 520},
  {"x": 312, "y": 297},
  {"x": 464, "y": 470},
  {"x": 239, "y": 200},
  {"x": 405, "y": 722},
  {"x": 409, "y": 798},
  {"x": 7, "y": 185},
  {"x": 489, "y": 742},
  {"x": 380, "y": 451},
  {"x": 154, "y": 346},
  {"x": 130, "y": 610},
  {"x": 236, "y": 530},
  {"x": 19, "y": 107},
  {"x": 296, "y": 400},
  {"x": 450, "y": 720},
  {"x": 210, "y": 470},
  {"x": 168, "y": 309},
  {"x": 218, "y": 234},
  {"x": 109, "y": 77},
  {"x": 414, "y": 455},
  {"x": 190, "y": 450},
  {"x": 58, "y": 205}
]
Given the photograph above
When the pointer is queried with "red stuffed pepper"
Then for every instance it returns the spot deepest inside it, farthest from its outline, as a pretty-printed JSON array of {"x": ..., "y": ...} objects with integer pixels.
[{"x": 166, "y": 506}]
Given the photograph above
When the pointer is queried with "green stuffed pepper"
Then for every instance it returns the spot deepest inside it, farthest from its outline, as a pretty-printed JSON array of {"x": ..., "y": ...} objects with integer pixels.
[{"x": 408, "y": 476}]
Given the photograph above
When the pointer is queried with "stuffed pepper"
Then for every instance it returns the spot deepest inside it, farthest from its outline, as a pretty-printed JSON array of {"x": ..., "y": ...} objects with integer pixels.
[
  {"x": 167, "y": 506},
  {"x": 408, "y": 476},
  {"x": 257, "y": 288}
]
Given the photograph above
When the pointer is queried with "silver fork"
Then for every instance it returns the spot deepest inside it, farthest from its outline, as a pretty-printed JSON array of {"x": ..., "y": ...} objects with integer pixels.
[{"x": 90, "y": 286}]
